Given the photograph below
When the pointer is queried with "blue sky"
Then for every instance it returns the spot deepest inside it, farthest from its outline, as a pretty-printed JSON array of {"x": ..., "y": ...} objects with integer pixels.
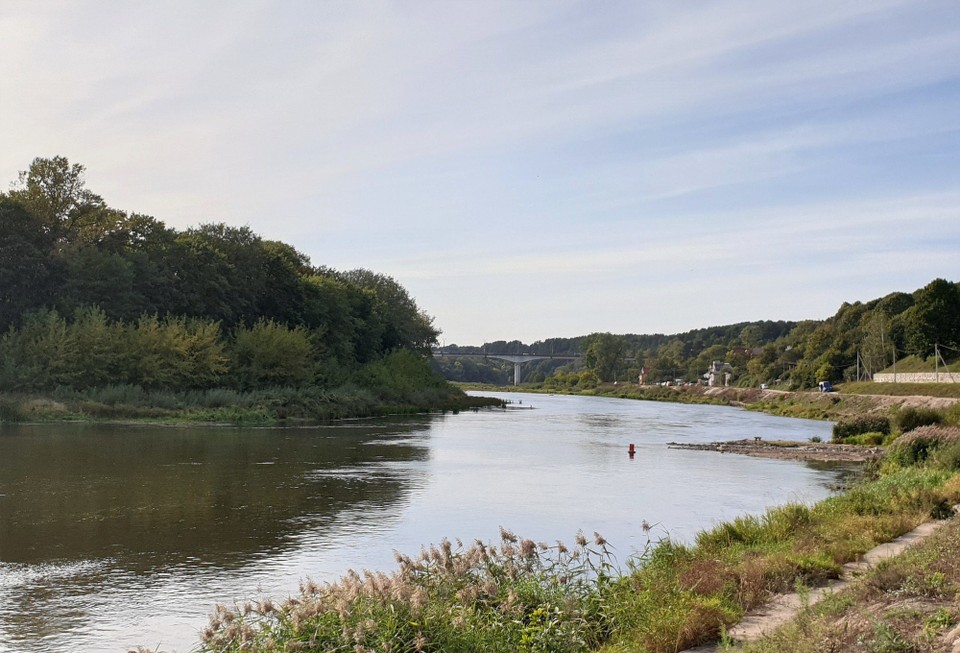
[{"x": 525, "y": 169}]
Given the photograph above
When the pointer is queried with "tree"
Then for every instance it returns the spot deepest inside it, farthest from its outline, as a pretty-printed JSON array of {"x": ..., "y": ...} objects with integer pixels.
[
  {"x": 603, "y": 353},
  {"x": 751, "y": 336},
  {"x": 27, "y": 276},
  {"x": 934, "y": 318},
  {"x": 55, "y": 193},
  {"x": 405, "y": 324}
]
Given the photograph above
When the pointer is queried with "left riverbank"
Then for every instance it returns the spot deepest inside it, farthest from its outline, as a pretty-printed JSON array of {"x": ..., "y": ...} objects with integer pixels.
[{"x": 265, "y": 407}]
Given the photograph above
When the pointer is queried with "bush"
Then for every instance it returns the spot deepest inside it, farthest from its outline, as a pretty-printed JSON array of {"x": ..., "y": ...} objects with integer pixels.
[
  {"x": 919, "y": 444},
  {"x": 11, "y": 410},
  {"x": 948, "y": 457},
  {"x": 866, "y": 439},
  {"x": 849, "y": 428},
  {"x": 911, "y": 418}
]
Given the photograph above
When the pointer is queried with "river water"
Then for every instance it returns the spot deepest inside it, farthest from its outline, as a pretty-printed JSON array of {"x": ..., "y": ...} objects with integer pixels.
[{"x": 116, "y": 536}]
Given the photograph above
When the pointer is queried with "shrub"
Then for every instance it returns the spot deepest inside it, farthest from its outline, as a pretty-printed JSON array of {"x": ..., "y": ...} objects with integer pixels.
[
  {"x": 11, "y": 410},
  {"x": 948, "y": 457},
  {"x": 918, "y": 445},
  {"x": 272, "y": 354},
  {"x": 911, "y": 418},
  {"x": 867, "y": 439},
  {"x": 951, "y": 416},
  {"x": 858, "y": 425}
]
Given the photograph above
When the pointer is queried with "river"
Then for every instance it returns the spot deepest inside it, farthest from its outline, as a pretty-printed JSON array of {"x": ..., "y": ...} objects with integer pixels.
[{"x": 113, "y": 536}]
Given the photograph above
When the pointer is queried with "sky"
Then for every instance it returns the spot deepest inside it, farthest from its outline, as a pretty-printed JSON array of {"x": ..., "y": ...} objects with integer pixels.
[{"x": 526, "y": 170}]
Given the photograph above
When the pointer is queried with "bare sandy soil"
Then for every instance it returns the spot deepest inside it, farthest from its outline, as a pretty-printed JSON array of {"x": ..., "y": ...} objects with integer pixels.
[{"x": 788, "y": 450}]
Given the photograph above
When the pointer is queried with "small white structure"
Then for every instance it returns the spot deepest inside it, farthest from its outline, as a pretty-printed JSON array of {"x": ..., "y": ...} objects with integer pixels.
[{"x": 717, "y": 372}]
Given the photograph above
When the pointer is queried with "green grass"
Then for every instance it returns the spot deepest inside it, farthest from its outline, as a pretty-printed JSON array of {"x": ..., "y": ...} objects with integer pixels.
[
  {"x": 904, "y": 604},
  {"x": 949, "y": 390},
  {"x": 911, "y": 364}
]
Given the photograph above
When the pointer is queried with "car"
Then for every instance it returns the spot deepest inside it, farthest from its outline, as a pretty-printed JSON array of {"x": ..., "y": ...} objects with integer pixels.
[
  {"x": 763, "y": 386},
  {"x": 826, "y": 386}
]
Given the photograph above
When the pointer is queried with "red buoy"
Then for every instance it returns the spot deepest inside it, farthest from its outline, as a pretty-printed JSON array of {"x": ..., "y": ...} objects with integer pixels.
[{"x": 632, "y": 449}]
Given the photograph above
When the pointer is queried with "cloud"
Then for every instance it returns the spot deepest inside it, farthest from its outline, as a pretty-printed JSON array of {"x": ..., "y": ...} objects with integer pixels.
[{"x": 645, "y": 150}]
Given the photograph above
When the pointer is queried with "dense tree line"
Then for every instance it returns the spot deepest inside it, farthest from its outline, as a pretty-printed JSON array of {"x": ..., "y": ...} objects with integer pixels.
[
  {"x": 861, "y": 337},
  {"x": 90, "y": 294},
  {"x": 878, "y": 332}
]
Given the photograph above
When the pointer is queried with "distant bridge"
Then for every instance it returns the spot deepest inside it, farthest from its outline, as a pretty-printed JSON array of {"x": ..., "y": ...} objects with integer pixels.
[{"x": 516, "y": 359}]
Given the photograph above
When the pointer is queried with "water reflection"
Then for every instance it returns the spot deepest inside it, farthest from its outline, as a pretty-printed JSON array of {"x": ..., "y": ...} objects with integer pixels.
[
  {"x": 169, "y": 495},
  {"x": 116, "y": 536}
]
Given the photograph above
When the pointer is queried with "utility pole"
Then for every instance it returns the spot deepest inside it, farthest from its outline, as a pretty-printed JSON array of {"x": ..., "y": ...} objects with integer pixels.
[{"x": 936, "y": 355}]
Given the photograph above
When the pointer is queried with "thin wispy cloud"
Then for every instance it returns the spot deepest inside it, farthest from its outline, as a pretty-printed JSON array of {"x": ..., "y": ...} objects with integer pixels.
[{"x": 527, "y": 170}]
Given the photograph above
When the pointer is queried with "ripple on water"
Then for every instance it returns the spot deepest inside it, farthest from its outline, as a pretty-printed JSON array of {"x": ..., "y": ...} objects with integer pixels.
[{"x": 14, "y": 575}]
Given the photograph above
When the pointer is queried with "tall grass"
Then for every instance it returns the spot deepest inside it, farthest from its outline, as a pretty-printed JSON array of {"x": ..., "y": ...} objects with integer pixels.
[{"x": 517, "y": 596}]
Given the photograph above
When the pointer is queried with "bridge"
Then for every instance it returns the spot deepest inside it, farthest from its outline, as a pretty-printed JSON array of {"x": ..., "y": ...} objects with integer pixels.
[{"x": 516, "y": 359}]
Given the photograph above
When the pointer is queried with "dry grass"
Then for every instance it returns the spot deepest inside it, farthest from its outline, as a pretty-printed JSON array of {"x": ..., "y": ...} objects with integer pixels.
[
  {"x": 518, "y": 596},
  {"x": 910, "y": 604},
  {"x": 943, "y": 435}
]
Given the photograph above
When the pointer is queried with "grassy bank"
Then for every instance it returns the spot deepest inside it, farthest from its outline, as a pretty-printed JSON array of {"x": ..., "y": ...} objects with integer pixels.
[
  {"x": 949, "y": 390},
  {"x": 226, "y": 406},
  {"x": 519, "y": 595},
  {"x": 908, "y": 604}
]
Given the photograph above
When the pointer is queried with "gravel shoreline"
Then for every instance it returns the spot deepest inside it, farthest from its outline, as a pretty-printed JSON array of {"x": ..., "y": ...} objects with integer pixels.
[{"x": 789, "y": 450}]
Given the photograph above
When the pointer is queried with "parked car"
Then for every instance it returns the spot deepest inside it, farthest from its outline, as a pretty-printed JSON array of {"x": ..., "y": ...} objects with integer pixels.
[{"x": 826, "y": 386}]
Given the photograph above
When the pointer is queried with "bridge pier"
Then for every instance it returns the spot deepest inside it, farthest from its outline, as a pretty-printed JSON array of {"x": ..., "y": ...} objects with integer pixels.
[{"x": 517, "y": 359}]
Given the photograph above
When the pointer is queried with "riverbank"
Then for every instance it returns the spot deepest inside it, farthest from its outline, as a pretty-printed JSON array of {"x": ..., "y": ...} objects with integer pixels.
[
  {"x": 898, "y": 597},
  {"x": 270, "y": 407}
]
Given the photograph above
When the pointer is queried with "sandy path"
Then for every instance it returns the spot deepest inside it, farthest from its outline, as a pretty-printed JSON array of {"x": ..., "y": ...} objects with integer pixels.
[{"x": 783, "y": 608}]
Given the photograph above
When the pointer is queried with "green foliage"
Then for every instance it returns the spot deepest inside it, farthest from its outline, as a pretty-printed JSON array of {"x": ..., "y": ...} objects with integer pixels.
[
  {"x": 934, "y": 318},
  {"x": 855, "y": 426},
  {"x": 911, "y": 418},
  {"x": 402, "y": 377},
  {"x": 27, "y": 275},
  {"x": 271, "y": 354},
  {"x": 602, "y": 355},
  {"x": 62, "y": 247},
  {"x": 866, "y": 439}
]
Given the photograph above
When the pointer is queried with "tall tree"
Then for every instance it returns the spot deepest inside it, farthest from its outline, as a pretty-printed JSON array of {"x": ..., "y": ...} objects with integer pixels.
[
  {"x": 55, "y": 193},
  {"x": 934, "y": 318},
  {"x": 27, "y": 276},
  {"x": 405, "y": 324},
  {"x": 603, "y": 353}
]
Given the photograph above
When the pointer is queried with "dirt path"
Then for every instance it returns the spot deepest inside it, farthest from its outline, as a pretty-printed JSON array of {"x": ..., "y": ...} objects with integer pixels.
[{"x": 785, "y": 607}]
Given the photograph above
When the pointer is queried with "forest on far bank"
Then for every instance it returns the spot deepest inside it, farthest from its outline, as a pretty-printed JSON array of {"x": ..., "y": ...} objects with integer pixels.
[
  {"x": 91, "y": 295},
  {"x": 918, "y": 330}
]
